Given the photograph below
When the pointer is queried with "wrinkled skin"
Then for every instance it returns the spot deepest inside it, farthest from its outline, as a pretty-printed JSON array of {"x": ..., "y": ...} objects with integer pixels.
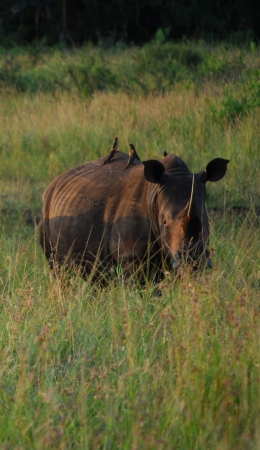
[{"x": 100, "y": 216}]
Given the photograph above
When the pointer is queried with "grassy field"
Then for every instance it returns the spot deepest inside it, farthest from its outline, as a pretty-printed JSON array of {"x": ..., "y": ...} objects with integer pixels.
[{"x": 90, "y": 368}]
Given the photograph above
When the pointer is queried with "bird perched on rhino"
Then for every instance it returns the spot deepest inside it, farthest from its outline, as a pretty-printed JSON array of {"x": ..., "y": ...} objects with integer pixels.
[
  {"x": 113, "y": 150},
  {"x": 165, "y": 154},
  {"x": 132, "y": 156}
]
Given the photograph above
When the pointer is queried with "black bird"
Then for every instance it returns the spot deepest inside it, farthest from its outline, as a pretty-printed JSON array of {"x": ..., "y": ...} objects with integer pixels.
[
  {"x": 132, "y": 155},
  {"x": 113, "y": 150},
  {"x": 165, "y": 154}
]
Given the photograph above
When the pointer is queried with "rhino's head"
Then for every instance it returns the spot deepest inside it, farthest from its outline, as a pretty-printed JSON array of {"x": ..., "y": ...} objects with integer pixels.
[{"x": 181, "y": 223}]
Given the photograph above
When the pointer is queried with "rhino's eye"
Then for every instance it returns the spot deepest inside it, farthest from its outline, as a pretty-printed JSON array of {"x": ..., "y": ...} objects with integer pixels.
[{"x": 164, "y": 221}]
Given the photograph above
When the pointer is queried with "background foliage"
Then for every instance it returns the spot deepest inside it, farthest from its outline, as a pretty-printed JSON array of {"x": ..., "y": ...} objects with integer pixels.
[{"x": 74, "y": 22}]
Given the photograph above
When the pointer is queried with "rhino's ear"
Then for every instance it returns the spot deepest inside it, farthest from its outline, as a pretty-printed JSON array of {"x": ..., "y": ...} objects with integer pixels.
[
  {"x": 215, "y": 170},
  {"x": 154, "y": 171}
]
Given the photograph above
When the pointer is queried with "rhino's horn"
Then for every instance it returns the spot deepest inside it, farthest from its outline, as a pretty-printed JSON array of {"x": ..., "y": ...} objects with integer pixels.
[
  {"x": 193, "y": 208},
  {"x": 192, "y": 222}
]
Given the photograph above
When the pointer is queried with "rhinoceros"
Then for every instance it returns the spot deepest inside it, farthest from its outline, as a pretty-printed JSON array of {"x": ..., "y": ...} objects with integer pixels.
[{"x": 152, "y": 216}]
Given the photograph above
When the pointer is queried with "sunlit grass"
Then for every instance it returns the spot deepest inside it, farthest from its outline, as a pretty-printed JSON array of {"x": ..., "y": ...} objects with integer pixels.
[{"x": 43, "y": 136}]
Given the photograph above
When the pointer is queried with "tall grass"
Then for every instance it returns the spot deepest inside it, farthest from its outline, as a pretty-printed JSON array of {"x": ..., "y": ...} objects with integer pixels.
[
  {"x": 90, "y": 368},
  {"x": 119, "y": 368}
]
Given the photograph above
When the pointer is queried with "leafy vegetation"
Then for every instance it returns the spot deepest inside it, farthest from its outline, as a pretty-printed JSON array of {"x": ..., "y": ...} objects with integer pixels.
[
  {"x": 85, "y": 367},
  {"x": 154, "y": 68}
]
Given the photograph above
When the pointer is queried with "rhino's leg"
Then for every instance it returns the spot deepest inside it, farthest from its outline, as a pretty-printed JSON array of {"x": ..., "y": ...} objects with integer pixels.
[
  {"x": 47, "y": 247},
  {"x": 131, "y": 268},
  {"x": 143, "y": 261},
  {"x": 44, "y": 238}
]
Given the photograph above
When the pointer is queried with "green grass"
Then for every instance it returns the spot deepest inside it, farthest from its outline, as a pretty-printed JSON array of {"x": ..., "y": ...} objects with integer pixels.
[
  {"x": 84, "y": 367},
  {"x": 119, "y": 368}
]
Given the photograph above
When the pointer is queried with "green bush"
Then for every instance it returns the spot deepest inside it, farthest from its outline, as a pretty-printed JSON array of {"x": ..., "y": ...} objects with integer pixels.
[{"x": 233, "y": 107}]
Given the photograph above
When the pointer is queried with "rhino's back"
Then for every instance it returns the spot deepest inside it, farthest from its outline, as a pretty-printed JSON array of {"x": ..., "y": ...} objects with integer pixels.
[
  {"x": 83, "y": 206},
  {"x": 92, "y": 185}
]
